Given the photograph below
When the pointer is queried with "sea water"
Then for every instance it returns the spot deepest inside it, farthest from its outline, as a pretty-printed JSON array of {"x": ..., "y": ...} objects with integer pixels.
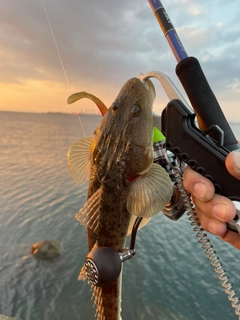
[{"x": 170, "y": 278}]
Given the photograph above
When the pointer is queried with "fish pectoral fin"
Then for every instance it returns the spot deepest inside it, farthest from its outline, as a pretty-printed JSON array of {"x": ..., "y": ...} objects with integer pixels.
[
  {"x": 150, "y": 192},
  {"x": 132, "y": 221},
  {"x": 79, "y": 160},
  {"x": 88, "y": 215}
]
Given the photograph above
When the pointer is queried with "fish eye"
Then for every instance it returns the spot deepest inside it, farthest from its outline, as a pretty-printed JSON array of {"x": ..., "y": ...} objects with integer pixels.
[
  {"x": 115, "y": 105},
  {"x": 135, "y": 111}
]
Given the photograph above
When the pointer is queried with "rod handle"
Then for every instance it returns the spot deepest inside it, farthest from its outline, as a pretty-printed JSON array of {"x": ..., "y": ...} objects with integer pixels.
[{"x": 203, "y": 100}]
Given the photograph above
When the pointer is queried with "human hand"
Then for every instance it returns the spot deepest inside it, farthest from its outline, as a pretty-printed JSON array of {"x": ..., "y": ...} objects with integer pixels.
[{"x": 214, "y": 211}]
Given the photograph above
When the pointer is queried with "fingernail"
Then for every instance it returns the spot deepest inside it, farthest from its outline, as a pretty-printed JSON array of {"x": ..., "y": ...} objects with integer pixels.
[
  {"x": 200, "y": 190},
  {"x": 236, "y": 159},
  {"x": 220, "y": 210},
  {"x": 212, "y": 227}
]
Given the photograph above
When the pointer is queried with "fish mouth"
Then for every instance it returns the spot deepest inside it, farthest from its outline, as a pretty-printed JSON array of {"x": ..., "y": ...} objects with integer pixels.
[{"x": 151, "y": 89}]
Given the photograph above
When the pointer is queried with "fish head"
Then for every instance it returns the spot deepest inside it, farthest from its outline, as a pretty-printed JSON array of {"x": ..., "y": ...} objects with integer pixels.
[{"x": 131, "y": 120}]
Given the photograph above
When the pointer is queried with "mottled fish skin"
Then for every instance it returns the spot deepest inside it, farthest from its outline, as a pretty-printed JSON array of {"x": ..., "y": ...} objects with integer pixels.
[{"x": 121, "y": 150}]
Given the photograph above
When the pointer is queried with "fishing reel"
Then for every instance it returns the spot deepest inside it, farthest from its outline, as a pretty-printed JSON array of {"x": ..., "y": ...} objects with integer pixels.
[{"x": 103, "y": 264}]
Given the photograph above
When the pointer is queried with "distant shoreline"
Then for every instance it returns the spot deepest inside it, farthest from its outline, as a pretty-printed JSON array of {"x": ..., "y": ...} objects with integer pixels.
[{"x": 54, "y": 113}]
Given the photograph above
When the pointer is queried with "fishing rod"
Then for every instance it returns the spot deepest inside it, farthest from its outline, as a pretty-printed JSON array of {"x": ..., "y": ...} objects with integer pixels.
[
  {"x": 194, "y": 82},
  {"x": 213, "y": 139},
  {"x": 193, "y": 146}
]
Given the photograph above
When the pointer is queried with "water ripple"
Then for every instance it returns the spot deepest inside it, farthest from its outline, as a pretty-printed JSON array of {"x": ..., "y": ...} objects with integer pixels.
[{"x": 170, "y": 278}]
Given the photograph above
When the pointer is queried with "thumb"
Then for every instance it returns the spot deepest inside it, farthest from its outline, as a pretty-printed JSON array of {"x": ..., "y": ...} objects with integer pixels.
[{"x": 233, "y": 163}]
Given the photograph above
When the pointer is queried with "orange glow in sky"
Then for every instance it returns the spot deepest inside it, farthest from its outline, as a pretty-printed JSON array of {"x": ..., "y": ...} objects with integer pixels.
[
  {"x": 100, "y": 50},
  {"x": 42, "y": 96},
  {"x": 34, "y": 96}
]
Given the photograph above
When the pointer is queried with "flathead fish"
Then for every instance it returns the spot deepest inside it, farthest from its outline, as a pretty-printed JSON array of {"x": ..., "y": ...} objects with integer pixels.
[{"x": 124, "y": 181}]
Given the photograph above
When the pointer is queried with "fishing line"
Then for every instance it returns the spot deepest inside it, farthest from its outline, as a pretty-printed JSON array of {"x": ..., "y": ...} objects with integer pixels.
[{"x": 61, "y": 61}]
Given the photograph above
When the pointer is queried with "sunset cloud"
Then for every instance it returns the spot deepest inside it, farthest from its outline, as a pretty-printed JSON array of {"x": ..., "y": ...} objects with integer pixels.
[{"x": 103, "y": 44}]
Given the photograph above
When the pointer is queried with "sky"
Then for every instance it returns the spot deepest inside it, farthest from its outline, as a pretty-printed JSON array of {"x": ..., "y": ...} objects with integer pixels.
[{"x": 52, "y": 48}]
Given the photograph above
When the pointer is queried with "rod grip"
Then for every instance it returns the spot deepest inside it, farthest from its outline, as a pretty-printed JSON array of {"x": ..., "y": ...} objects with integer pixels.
[{"x": 203, "y": 100}]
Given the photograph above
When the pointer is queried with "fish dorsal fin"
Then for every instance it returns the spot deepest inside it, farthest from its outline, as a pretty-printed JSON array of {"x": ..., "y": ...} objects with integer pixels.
[
  {"x": 150, "y": 192},
  {"x": 132, "y": 221},
  {"x": 79, "y": 160},
  {"x": 88, "y": 215}
]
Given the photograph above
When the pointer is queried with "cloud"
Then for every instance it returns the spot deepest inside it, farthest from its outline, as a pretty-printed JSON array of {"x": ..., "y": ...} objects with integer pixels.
[{"x": 102, "y": 44}]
